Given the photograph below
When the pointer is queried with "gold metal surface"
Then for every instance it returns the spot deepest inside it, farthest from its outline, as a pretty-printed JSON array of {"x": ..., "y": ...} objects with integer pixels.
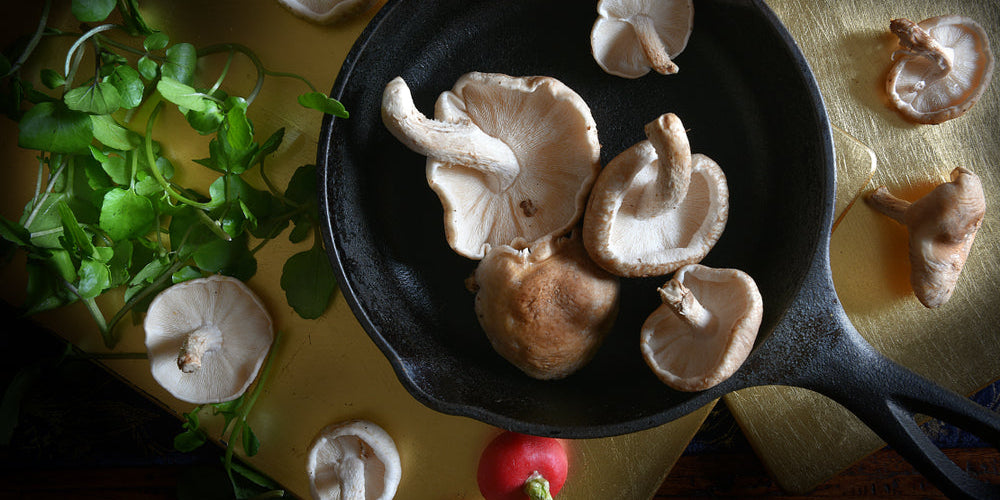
[
  {"x": 326, "y": 370},
  {"x": 803, "y": 438}
]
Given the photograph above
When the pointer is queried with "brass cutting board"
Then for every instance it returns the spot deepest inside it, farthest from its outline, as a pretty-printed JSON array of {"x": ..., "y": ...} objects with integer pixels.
[{"x": 803, "y": 438}]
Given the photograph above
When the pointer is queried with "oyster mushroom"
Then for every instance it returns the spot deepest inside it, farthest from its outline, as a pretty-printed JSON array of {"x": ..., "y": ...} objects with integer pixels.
[
  {"x": 656, "y": 207},
  {"x": 632, "y": 36},
  {"x": 942, "y": 226},
  {"x": 508, "y": 157},
  {"x": 354, "y": 460},
  {"x": 545, "y": 308},
  {"x": 705, "y": 328},
  {"x": 207, "y": 338},
  {"x": 942, "y": 68}
]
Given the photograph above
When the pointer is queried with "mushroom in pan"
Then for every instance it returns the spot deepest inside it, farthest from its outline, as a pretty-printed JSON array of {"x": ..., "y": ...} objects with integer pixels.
[
  {"x": 705, "y": 328},
  {"x": 942, "y": 226},
  {"x": 354, "y": 460},
  {"x": 942, "y": 69},
  {"x": 632, "y": 36},
  {"x": 656, "y": 207},
  {"x": 206, "y": 338},
  {"x": 545, "y": 308},
  {"x": 508, "y": 157}
]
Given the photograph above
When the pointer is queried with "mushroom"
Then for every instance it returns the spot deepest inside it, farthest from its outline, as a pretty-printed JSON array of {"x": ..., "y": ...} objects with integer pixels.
[
  {"x": 206, "y": 338},
  {"x": 327, "y": 11},
  {"x": 656, "y": 207},
  {"x": 942, "y": 69},
  {"x": 354, "y": 460},
  {"x": 942, "y": 226},
  {"x": 545, "y": 308},
  {"x": 632, "y": 36},
  {"x": 705, "y": 328},
  {"x": 508, "y": 157}
]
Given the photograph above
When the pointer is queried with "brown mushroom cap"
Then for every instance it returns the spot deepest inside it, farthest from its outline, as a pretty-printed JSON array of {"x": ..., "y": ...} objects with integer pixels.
[
  {"x": 705, "y": 328},
  {"x": 509, "y": 157},
  {"x": 942, "y": 226},
  {"x": 545, "y": 308},
  {"x": 632, "y": 36},
  {"x": 656, "y": 207},
  {"x": 944, "y": 66}
]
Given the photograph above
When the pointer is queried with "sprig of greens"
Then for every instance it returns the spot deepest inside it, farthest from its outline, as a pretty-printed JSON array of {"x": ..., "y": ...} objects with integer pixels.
[{"x": 106, "y": 212}]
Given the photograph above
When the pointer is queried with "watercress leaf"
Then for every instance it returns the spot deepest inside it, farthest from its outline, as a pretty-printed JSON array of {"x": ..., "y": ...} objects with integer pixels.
[
  {"x": 14, "y": 233},
  {"x": 302, "y": 186},
  {"x": 51, "y": 78},
  {"x": 94, "y": 278},
  {"x": 120, "y": 263},
  {"x": 189, "y": 440},
  {"x": 301, "y": 230},
  {"x": 74, "y": 239},
  {"x": 322, "y": 102},
  {"x": 152, "y": 270},
  {"x": 251, "y": 444},
  {"x": 134, "y": 23},
  {"x": 185, "y": 273},
  {"x": 111, "y": 134},
  {"x": 206, "y": 121},
  {"x": 126, "y": 214},
  {"x": 181, "y": 94},
  {"x": 272, "y": 143},
  {"x": 45, "y": 291},
  {"x": 51, "y": 126},
  {"x": 114, "y": 165},
  {"x": 231, "y": 258},
  {"x": 308, "y": 280},
  {"x": 92, "y": 11},
  {"x": 60, "y": 263},
  {"x": 239, "y": 132},
  {"x": 147, "y": 67},
  {"x": 46, "y": 227},
  {"x": 129, "y": 85},
  {"x": 101, "y": 98},
  {"x": 156, "y": 41},
  {"x": 180, "y": 63}
]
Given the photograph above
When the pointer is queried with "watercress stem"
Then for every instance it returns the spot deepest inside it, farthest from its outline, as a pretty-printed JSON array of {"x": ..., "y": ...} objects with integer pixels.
[
  {"x": 33, "y": 43},
  {"x": 48, "y": 189},
  {"x": 150, "y": 288},
  {"x": 74, "y": 57},
  {"x": 156, "y": 169}
]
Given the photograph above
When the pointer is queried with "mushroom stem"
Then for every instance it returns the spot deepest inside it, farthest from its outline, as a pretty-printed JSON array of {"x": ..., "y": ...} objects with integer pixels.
[
  {"x": 673, "y": 151},
  {"x": 461, "y": 143},
  {"x": 680, "y": 299},
  {"x": 885, "y": 203},
  {"x": 352, "y": 479},
  {"x": 918, "y": 41},
  {"x": 203, "y": 340},
  {"x": 652, "y": 45}
]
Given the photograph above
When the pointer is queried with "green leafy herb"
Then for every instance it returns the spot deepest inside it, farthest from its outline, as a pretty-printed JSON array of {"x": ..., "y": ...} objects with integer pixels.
[{"x": 107, "y": 213}]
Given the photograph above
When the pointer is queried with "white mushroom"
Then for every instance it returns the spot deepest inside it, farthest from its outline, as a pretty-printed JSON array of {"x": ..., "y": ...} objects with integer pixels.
[
  {"x": 632, "y": 36},
  {"x": 327, "y": 11},
  {"x": 207, "y": 338},
  {"x": 656, "y": 207},
  {"x": 942, "y": 226},
  {"x": 545, "y": 308},
  {"x": 354, "y": 460},
  {"x": 508, "y": 157},
  {"x": 705, "y": 328},
  {"x": 943, "y": 67}
]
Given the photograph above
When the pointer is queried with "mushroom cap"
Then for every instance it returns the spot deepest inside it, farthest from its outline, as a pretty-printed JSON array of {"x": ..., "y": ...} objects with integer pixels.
[
  {"x": 623, "y": 241},
  {"x": 236, "y": 319},
  {"x": 327, "y": 11},
  {"x": 918, "y": 88},
  {"x": 689, "y": 358},
  {"x": 545, "y": 308},
  {"x": 552, "y": 133},
  {"x": 617, "y": 47},
  {"x": 335, "y": 474}
]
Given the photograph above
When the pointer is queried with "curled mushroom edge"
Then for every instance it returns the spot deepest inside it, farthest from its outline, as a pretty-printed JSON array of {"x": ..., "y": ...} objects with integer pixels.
[
  {"x": 705, "y": 329},
  {"x": 943, "y": 66}
]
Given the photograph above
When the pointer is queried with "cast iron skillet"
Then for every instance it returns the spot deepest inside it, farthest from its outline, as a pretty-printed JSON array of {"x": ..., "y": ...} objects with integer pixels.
[{"x": 749, "y": 99}]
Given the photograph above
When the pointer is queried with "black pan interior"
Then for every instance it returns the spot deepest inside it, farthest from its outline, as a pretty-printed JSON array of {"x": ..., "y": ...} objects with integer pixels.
[{"x": 743, "y": 90}]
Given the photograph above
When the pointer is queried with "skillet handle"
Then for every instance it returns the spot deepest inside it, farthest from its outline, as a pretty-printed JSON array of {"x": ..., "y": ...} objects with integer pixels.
[{"x": 887, "y": 397}]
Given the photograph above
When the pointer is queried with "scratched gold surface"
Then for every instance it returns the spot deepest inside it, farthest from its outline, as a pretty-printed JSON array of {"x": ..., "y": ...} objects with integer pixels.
[
  {"x": 326, "y": 370},
  {"x": 804, "y": 439}
]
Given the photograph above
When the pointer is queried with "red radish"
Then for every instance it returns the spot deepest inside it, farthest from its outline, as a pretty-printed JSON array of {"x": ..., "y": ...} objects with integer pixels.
[{"x": 519, "y": 467}]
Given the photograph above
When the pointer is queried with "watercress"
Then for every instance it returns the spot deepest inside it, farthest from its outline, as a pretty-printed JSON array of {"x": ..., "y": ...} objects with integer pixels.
[{"x": 106, "y": 212}]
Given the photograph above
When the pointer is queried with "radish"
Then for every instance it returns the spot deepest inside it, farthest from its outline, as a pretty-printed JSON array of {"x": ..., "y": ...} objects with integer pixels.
[{"x": 521, "y": 467}]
